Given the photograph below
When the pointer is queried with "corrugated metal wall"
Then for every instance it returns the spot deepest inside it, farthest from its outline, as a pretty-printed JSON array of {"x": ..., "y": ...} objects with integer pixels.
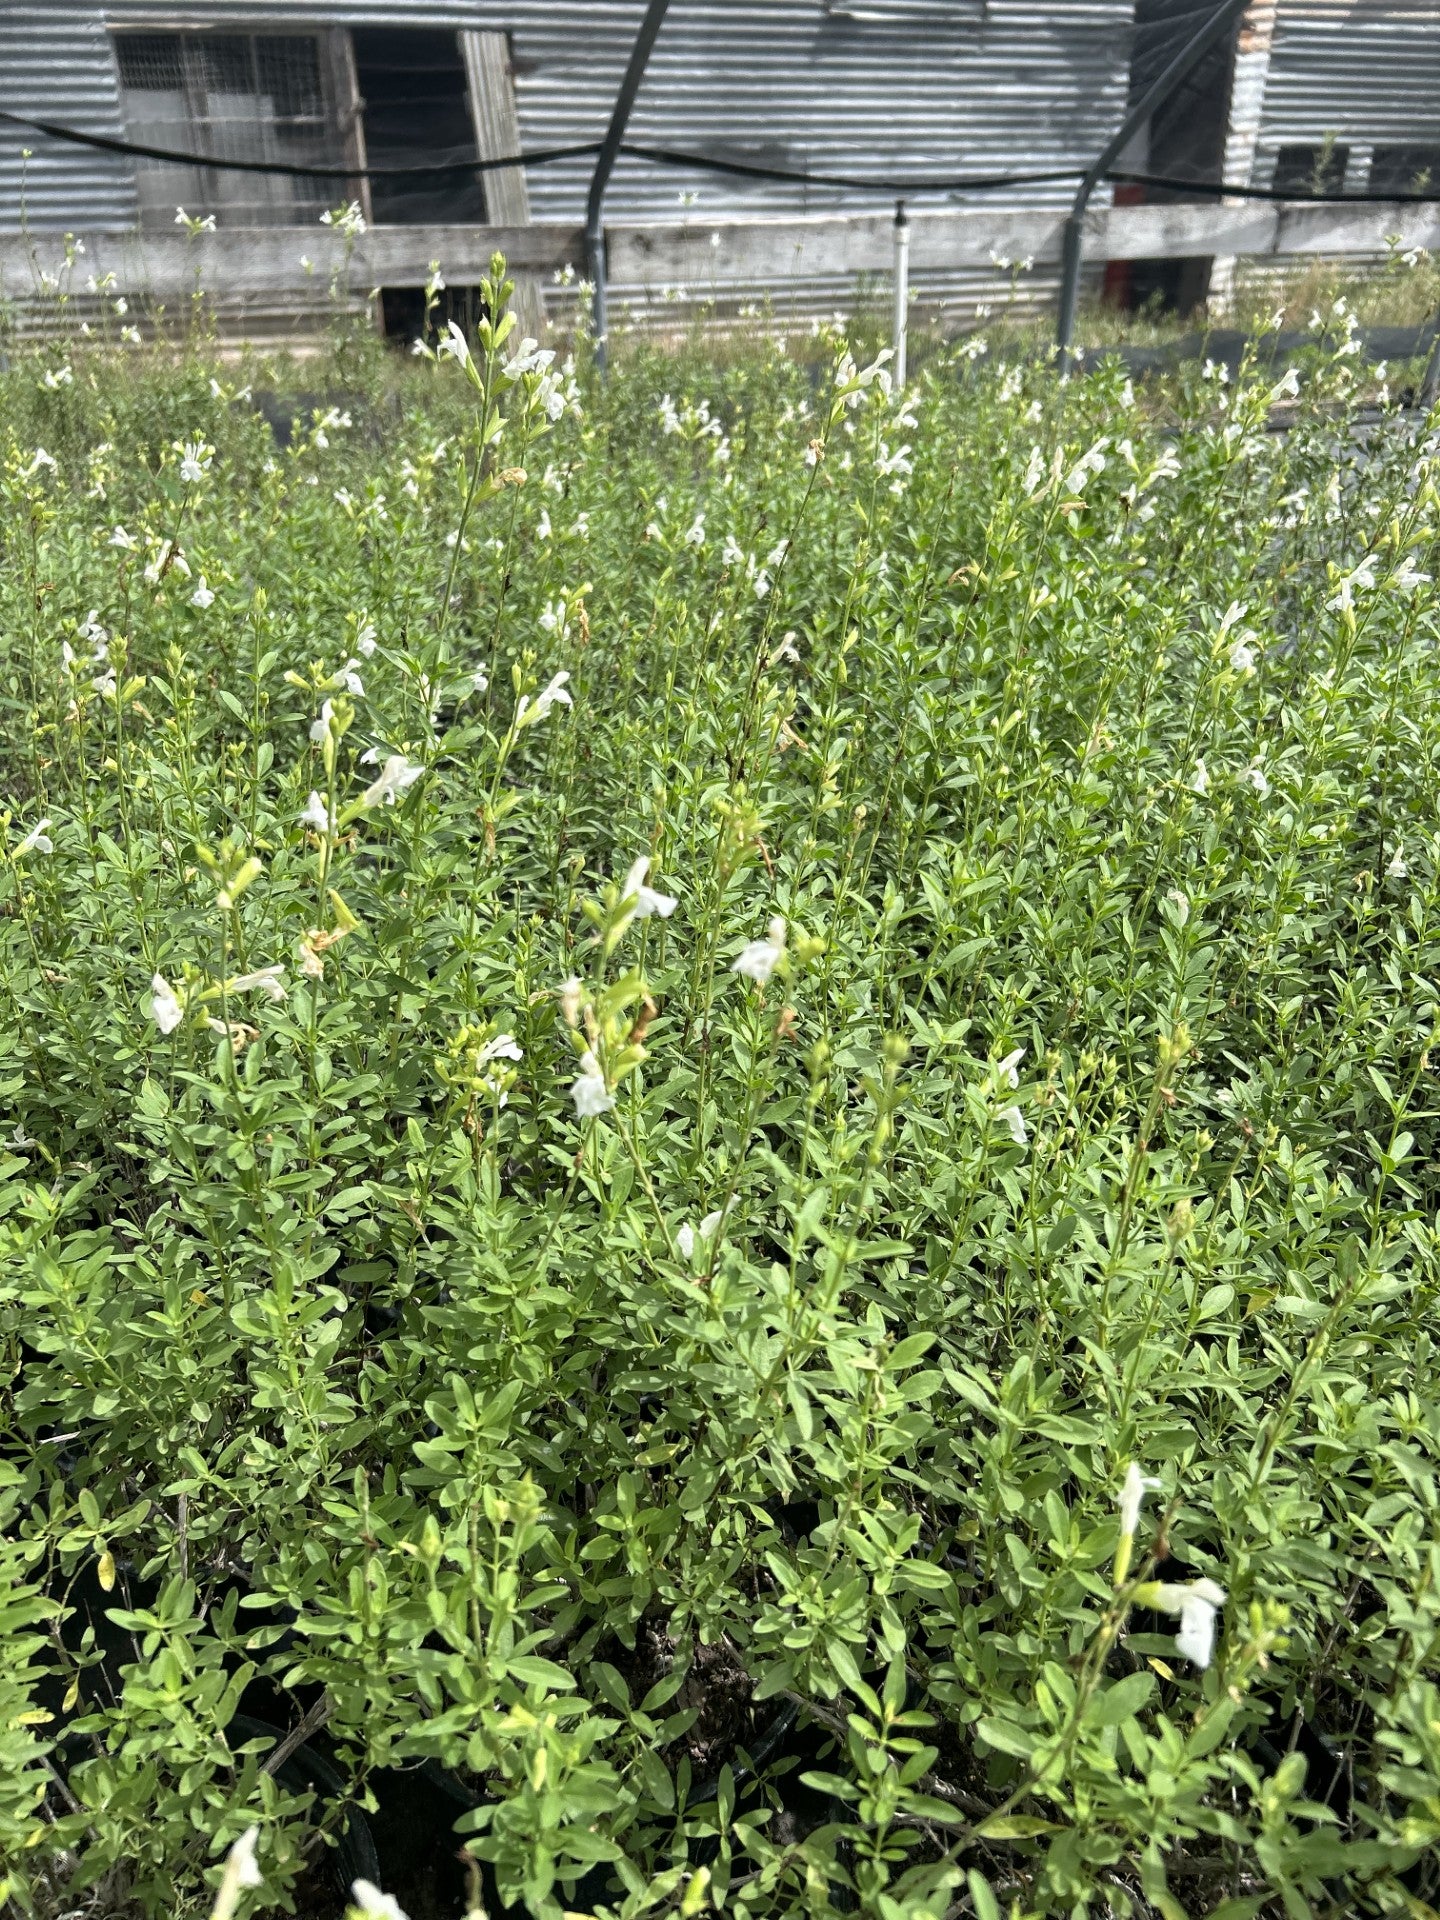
[
  {"x": 1363, "y": 72},
  {"x": 985, "y": 85},
  {"x": 1366, "y": 71}
]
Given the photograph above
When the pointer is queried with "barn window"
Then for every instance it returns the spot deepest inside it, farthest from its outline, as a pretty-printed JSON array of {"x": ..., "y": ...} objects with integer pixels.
[
  {"x": 381, "y": 98},
  {"x": 1405, "y": 170},
  {"x": 1304, "y": 170},
  {"x": 232, "y": 96}
]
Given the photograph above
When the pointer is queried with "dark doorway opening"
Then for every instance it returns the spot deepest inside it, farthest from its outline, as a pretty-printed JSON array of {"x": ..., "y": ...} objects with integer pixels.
[
  {"x": 1185, "y": 141},
  {"x": 416, "y": 106}
]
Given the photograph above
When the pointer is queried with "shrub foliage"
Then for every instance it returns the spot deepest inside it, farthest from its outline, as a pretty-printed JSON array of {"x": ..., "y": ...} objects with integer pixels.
[{"x": 720, "y": 1117}]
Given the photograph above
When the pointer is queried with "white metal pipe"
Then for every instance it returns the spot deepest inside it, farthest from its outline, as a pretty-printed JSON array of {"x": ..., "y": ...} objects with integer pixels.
[{"x": 902, "y": 292}]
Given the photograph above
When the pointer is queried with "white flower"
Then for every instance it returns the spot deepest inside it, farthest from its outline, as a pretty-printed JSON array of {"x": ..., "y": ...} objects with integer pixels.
[
  {"x": 1242, "y": 657},
  {"x": 396, "y": 776},
  {"x": 266, "y": 980},
  {"x": 761, "y": 584},
  {"x": 686, "y": 1236},
  {"x": 1344, "y": 599},
  {"x": 1406, "y": 578},
  {"x": 1015, "y": 1121},
  {"x": 571, "y": 994},
  {"x": 1197, "y": 1602},
  {"x": 241, "y": 1861},
  {"x": 203, "y": 596},
  {"x": 350, "y": 679},
  {"x": 165, "y": 1010},
  {"x": 529, "y": 357},
  {"x": 1008, "y": 1068},
  {"x": 589, "y": 1092},
  {"x": 1181, "y": 903},
  {"x": 695, "y": 532},
  {"x": 761, "y": 957},
  {"x": 20, "y": 1140},
  {"x": 1200, "y": 779},
  {"x": 1256, "y": 777},
  {"x": 1397, "y": 869},
  {"x": 374, "y": 1904},
  {"x": 58, "y": 377},
  {"x": 479, "y": 681},
  {"x": 530, "y": 712},
  {"x": 1132, "y": 1498},
  {"x": 455, "y": 344},
  {"x": 732, "y": 554},
  {"x": 120, "y": 538},
  {"x": 36, "y": 841},
  {"x": 317, "y": 814},
  {"x": 320, "y": 726},
  {"x": 195, "y": 462},
  {"x": 105, "y": 684},
  {"x": 647, "y": 901},
  {"x": 503, "y": 1047}
]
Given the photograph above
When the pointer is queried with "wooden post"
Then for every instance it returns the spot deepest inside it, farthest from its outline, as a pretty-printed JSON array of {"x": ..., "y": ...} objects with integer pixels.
[{"x": 490, "y": 81}]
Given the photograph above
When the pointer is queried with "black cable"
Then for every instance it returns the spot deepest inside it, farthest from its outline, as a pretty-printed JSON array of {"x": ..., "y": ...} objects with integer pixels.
[
  {"x": 291, "y": 169},
  {"x": 707, "y": 163},
  {"x": 1217, "y": 187},
  {"x": 752, "y": 170}
]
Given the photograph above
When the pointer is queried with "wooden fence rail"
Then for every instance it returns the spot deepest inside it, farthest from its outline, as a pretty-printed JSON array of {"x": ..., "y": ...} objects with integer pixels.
[{"x": 270, "y": 261}]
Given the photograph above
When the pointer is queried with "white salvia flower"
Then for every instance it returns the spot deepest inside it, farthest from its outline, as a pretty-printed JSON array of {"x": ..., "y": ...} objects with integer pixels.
[
  {"x": 20, "y": 1140},
  {"x": 571, "y": 994},
  {"x": 105, "y": 684},
  {"x": 40, "y": 458},
  {"x": 1181, "y": 903},
  {"x": 647, "y": 900},
  {"x": 1397, "y": 869},
  {"x": 760, "y": 959},
  {"x": 1200, "y": 779},
  {"x": 695, "y": 532},
  {"x": 479, "y": 681},
  {"x": 786, "y": 650},
  {"x": 365, "y": 640},
  {"x": 543, "y": 528},
  {"x": 195, "y": 462},
  {"x": 396, "y": 776},
  {"x": 710, "y": 1225},
  {"x": 1034, "y": 472},
  {"x": 1008, "y": 1069},
  {"x": 165, "y": 1010},
  {"x": 266, "y": 980},
  {"x": 1132, "y": 1497},
  {"x": 589, "y": 1092},
  {"x": 1363, "y": 576},
  {"x": 761, "y": 584},
  {"x": 1242, "y": 657},
  {"x": 351, "y": 679},
  {"x": 685, "y": 1241},
  {"x": 241, "y": 1862},
  {"x": 455, "y": 344},
  {"x": 203, "y": 596},
  {"x": 531, "y": 712},
  {"x": 732, "y": 554},
  {"x": 320, "y": 726},
  {"x": 374, "y": 1904},
  {"x": 1256, "y": 778},
  {"x": 1406, "y": 578},
  {"x": 317, "y": 814},
  {"x": 1015, "y": 1121},
  {"x": 36, "y": 841},
  {"x": 58, "y": 377},
  {"x": 1197, "y": 1602},
  {"x": 120, "y": 538}
]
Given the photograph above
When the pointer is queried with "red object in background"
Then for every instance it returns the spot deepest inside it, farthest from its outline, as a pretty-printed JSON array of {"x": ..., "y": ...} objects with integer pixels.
[{"x": 1118, "y": 292}]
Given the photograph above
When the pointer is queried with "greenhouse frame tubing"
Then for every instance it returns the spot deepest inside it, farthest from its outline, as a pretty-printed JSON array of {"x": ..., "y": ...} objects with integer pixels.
[
  {"x": 605, "y": 164},
  {"x": 1189, "y": 55}
]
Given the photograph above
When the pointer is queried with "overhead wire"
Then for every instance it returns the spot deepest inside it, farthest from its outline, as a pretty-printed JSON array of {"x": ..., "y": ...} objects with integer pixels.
[{"x": 889, "y": 184}]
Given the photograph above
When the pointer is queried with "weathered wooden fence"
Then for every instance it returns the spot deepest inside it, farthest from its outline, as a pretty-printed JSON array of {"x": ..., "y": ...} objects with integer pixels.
[{"x": 281, "y": 262}]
